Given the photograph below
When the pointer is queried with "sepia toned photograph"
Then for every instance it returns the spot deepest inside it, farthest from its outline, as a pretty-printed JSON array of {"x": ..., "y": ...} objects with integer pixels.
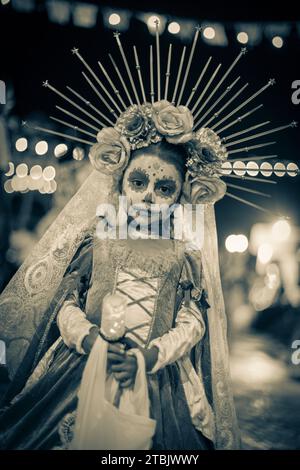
[{"x": 149, "y": 229}]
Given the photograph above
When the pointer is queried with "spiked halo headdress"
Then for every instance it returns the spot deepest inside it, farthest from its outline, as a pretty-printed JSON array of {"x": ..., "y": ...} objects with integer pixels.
[{"x": 135, "y": 117}]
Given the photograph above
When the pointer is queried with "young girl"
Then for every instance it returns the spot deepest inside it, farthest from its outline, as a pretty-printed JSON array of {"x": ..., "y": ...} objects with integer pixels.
[{"x": 151, "y": 275}]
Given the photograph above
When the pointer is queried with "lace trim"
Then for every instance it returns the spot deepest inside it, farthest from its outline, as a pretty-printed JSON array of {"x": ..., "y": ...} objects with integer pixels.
[
  {"x": 155, "y": 265},
  {"x": 66, "y": 429}
]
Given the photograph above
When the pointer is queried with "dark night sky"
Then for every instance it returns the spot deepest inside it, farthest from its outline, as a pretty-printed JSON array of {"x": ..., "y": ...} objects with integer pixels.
[{"x": 34, "y": 49}]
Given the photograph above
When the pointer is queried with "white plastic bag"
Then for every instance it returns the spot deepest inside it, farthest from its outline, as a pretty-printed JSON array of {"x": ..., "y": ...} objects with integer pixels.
[{"x": 100, "y": 425}]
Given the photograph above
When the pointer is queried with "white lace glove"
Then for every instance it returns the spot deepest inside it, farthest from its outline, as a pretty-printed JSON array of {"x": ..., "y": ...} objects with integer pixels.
[
  {"x": 174, "y": 344},
  {"x": 73, "y": 325}
]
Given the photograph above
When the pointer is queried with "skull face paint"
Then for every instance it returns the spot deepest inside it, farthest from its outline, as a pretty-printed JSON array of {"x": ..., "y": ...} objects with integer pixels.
[{"x": 150, "y": 180}]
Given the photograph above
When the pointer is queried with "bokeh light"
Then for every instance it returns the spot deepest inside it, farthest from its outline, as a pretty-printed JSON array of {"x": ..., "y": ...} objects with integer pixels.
[
  {"x": 53, "y": 186},
  {"x": 22, "y": 170},
  {"x": 174, "y": 27},
  {"x": 241, "y": 242},
  {"x": 236, "y": 243},
  {"x": 265, "y": 253},
  {"x": 229, "y": 243},
  {"x": 243, "y": 37},
  {"x": 114, "y": 19},
  {"x": 281, "y": 230},
  {"x": 45, "y": 188},
  {"x": 18, "y": 184},
  {"x": 78, "y": 153},
  {"x": 41, "y": 147},
  {"x": 272, "y": 279},
  {"x": 8, "y": 187},
  {"x": 35, "y": 184},
  {"x": 226, "y": 168},
  {"x": 252, "y": 168},
  {"x": 239, "y": 168},
  {"x": 209, "y": 32},
  {"x": 151, "y": 22},
  {"x": 11, "y": 169},
  {"x": 277, "y": 41},
  {"x": 36, "y": 172},
  {"x": 266, "y": 169},
  {"x": 49, "y": 173},
  {"x": 279, "y": 169},
  {"x": 60, "y": 150},
  {"x": 292, "y": 169},
  {"x": 21, "y": 144}
]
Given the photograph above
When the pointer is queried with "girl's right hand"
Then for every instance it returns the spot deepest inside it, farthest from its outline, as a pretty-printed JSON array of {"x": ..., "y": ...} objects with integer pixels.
[{"x": 89, "y": 340}]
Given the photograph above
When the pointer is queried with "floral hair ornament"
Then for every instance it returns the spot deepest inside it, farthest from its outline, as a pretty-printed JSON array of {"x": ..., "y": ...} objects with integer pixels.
[
  {"x": 140, "y": 126},
  {"x": 202, "y": 189},
  {"x": 111, "y": 154},
  {"x": 133, "y": 116}
]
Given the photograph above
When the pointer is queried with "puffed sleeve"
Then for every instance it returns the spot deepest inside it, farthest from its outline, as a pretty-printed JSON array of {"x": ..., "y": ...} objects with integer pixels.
[
  {"x": 73, "y": 324},
  {"x": 188, "y": 331}
]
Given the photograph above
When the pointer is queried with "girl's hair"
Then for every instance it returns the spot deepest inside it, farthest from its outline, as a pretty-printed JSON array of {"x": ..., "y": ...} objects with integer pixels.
[{"x": 171, "y": 153}]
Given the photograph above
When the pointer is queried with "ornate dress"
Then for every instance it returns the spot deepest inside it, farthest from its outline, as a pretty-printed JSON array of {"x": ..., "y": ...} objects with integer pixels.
[{"x": 42, "y": 414}]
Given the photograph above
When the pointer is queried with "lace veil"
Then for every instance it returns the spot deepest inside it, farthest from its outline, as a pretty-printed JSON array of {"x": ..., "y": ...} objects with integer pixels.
[{"x": 30, "y": 291}]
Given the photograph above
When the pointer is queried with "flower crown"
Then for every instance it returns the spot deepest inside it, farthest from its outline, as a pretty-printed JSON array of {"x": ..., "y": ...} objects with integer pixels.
[{"x": 142, "y": 125}]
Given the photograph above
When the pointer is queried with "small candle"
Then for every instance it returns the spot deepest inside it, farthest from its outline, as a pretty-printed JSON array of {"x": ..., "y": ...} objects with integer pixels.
[{"x": 113, "y": 317}]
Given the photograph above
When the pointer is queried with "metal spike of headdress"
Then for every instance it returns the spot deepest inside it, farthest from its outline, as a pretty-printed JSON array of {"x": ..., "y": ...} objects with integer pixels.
[{"x": 202, "y": 121}]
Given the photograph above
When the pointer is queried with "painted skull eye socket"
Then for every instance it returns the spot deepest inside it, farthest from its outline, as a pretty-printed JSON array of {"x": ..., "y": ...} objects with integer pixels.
[
  {"x": 165, "y": 187},
  {"x": 138, "y": 180}
]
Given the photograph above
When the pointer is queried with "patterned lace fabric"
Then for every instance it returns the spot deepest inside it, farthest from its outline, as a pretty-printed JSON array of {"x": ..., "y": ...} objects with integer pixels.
[{"x": 73, "y": 324}]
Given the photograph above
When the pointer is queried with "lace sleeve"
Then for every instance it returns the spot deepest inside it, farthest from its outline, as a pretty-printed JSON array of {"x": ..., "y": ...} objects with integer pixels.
[
  {"x": 73, "y": 324},
  {"x": 188, "y": 331}
]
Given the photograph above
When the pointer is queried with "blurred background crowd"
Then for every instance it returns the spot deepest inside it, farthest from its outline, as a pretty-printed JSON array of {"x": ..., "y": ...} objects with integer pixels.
[{"x": 259, "y": 252}]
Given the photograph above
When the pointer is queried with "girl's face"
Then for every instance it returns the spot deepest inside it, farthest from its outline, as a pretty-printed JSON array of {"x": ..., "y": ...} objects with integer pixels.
[{"x": 150, "y": 180}]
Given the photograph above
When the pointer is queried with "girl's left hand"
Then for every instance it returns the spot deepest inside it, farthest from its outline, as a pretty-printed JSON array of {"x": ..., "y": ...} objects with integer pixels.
[{"x": 125, "y": 370}]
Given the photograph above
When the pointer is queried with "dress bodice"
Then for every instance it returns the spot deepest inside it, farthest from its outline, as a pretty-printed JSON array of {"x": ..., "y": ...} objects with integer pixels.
[{"x": 148, "y": 282}]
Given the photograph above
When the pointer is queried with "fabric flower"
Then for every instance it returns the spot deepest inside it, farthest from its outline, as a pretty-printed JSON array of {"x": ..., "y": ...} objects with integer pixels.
[
  {"x": 211, "y": 145},
  {"x": 208, "y": 135},
  {"x": 203, "y": 190},
  {"x": 136, "y": 125},
  {"x": 110, "y": 155},
  {"x": 206, "y": 153},
  {"x": 207, "y": 190},
  {"x": 175, "y": 123}
]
